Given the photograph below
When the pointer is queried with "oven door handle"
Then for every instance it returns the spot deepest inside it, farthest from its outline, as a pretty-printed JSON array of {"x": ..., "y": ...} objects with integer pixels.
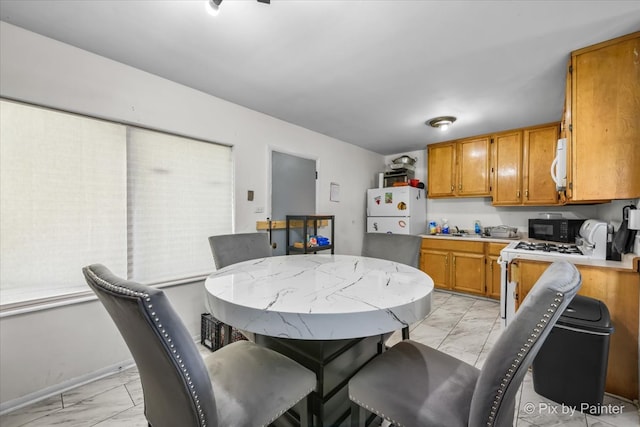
[
  {"x": 503, "y": 287},
  {"x": 507, "y": 293},
  {"x": 502, "y": 261}
]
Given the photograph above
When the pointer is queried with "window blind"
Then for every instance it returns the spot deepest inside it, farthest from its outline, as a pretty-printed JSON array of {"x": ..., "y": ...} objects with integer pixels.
[
  {"x": 62, "y": 201},
  {"x": 180, "y": 193},
  {"x": 76, "y": 191}
]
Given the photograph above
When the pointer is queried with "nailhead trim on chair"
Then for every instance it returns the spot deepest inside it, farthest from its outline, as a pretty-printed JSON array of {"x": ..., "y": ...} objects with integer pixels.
[
  {"x": 533, "y": 337},
  {"x": 282, "y": 411},
  {"x": 125, "y": 291},
  {"x": 375, "y": 411}
]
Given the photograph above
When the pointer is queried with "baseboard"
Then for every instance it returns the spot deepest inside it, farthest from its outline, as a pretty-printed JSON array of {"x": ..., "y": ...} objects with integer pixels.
[
  {"x": 12, "y": 405},
  {"x": 462, "y": 294}
]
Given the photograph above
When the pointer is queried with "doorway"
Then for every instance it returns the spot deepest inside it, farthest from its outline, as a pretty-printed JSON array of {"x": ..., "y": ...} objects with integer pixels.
[{"x": 293, "y": 192}]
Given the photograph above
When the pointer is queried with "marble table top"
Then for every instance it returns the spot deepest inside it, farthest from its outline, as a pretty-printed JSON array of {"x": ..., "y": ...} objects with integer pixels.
[{"x": 319, "y": 297}]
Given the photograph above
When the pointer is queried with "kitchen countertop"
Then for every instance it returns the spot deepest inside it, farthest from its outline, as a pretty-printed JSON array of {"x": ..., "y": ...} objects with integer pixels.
[
  {"x": 471, "y": 237},
  {"x": 630, "y": 262}
]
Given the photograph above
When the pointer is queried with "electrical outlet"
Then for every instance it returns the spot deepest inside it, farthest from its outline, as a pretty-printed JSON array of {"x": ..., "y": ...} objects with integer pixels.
[{"x": 259, "y": 210}]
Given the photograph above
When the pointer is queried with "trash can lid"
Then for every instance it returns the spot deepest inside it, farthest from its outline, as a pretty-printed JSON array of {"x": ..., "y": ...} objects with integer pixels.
[{"x": 587, "y": 314}]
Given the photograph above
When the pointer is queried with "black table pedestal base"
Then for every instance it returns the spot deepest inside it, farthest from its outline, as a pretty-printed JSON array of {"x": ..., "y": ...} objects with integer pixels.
[{"x": 334, "y": 363}]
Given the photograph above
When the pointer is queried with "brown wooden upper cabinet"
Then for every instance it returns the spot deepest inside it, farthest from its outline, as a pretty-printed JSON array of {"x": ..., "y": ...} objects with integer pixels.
[
  {"x": 513, "y": 167},
  {"x": 539, "y": 152},
  {"x": 506, "y": 155},
  {"x": 473, "y": 167},
  {"x": 602, "y": 121},
  {"x": 441, "y": 162},
  {"x": 459, "y": 168},
  {"x": 520, "y": 165}
]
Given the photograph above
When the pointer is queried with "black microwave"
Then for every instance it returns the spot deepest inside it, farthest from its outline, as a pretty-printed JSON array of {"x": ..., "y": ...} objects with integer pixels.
[{"x": 555, "y": 229}]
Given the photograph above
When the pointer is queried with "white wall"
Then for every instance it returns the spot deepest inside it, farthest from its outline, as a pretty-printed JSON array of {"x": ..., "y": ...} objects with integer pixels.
[
  {"x": 44, "y": 349},
  {"x": 47, "y": 351},
  {"x": 612, "y": 212}
]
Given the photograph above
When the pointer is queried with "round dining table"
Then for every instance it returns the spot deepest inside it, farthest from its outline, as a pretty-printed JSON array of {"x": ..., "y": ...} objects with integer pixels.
[
  {"x": 319, "y": 297},
  {"x": 328, "y": 312}
]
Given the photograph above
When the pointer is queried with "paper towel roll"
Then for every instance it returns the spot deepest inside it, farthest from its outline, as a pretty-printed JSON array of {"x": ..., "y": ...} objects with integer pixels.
[{"x": 634, "y": 219}]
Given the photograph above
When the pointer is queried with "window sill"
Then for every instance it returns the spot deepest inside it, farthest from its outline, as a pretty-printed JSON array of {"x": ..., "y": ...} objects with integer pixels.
[{"x": 14, "y": 309}]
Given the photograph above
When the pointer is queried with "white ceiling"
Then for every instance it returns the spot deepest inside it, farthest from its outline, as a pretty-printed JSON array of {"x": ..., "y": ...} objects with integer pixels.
[{"x": 365, "y": 72}]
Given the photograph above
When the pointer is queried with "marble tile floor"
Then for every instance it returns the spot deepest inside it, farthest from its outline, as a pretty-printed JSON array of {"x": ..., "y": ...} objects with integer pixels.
[{"x": 462, "y": 326}]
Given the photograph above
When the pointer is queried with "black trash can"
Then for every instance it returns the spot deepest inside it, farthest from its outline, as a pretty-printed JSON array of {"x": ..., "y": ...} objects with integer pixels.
[{"x": 571, "y": 367}]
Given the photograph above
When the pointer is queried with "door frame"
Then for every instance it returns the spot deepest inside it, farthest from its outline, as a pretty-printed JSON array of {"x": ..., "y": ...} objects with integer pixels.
[{"x": 270, "y": 150}]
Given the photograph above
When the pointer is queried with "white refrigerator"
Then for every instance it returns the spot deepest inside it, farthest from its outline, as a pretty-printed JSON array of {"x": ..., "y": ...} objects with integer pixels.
[{"x": 398, "y": 210}]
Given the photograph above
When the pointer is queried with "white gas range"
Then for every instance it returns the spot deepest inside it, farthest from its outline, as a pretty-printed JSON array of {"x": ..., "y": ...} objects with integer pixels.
[{"x": 591, "y": 243}]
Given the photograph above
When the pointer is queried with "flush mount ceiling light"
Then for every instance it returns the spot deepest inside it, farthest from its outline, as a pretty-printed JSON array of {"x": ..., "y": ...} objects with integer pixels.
[
  {"x": 442, "y": 122},
  {"x": 213, "y": 6}
]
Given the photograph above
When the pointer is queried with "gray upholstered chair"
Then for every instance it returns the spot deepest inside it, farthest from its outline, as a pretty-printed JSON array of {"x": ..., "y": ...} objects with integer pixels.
[
  {"x": 415, "y": 385},
  {"x": 402, "y": 248},
  {"x": 241, "y": 384},
  {"x": 229, "y": 249}
]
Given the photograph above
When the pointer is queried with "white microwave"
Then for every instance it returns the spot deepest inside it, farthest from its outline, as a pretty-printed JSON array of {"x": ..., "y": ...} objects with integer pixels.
[{"x": 392, "y": 177}]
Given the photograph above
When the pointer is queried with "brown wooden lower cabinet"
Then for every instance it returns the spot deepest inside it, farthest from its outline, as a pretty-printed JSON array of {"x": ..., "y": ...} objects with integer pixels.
[
  {"x": 493, "y": 269},
  {"x": 436, "y": 264},
  {"x": 467, "y": 272},
  {"x": 619, "y": 291},
  {"x": 463, "y": 265}
]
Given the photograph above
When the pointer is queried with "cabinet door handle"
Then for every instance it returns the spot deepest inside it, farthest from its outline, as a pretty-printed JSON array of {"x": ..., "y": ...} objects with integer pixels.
[
  {"x": 460, "y": 187},
  {"x": 526, "y": 193},
  {"x": 452, "y": 187},
  {"x": 454, "y": 262},
  {"x": 518, "y": 194}
]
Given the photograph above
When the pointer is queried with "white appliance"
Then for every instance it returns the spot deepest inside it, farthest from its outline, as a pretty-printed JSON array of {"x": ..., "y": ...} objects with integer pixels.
[
  {"x": 591, "y": 244},
  {"x": 398, "y": 210},
  {"x": 559, "y": 165},
  {"x": 634, "y": 224},
  {"x": 593, "y": 239}
]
